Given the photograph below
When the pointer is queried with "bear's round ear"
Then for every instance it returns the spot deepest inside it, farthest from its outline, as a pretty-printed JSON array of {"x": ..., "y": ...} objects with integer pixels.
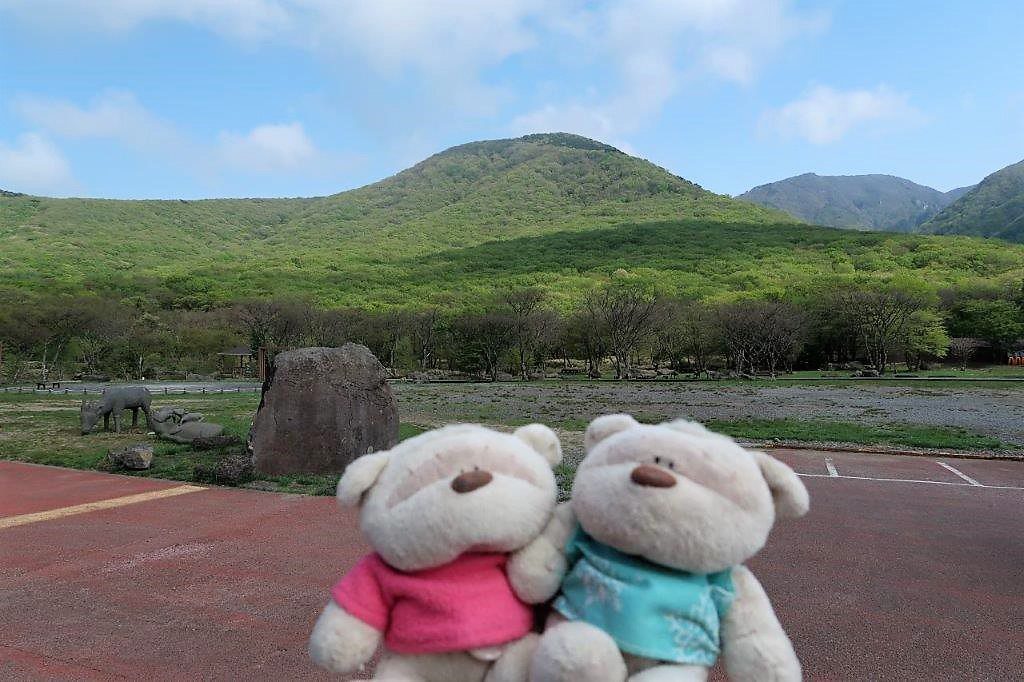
[
  {"x": 359, "y": 476},
  {"x": 605, "y": 426},
  {"x": 789, "y": 493},
  {"x": 687, "y": 426},
  {"x": 543, "y": 440}
]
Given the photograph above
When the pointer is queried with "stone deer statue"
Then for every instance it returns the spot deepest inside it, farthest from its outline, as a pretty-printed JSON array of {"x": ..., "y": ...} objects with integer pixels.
[
  {"x": 179, "y": 426},
  {"x": 112, "y": 403}
]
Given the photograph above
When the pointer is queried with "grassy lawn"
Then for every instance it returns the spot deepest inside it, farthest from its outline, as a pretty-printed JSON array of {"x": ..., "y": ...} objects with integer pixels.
[
  {"x": 861, "y": 434},
  {"x": 45, "y": 430}
]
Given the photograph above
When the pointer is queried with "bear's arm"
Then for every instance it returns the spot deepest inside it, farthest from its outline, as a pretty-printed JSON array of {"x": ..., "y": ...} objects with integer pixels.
[
  {"x": 754, "y": 645},
  {"x": 351, "y": 625},
  {"x": 536, "y": 570},
  {"x": 341, "y": 642}
]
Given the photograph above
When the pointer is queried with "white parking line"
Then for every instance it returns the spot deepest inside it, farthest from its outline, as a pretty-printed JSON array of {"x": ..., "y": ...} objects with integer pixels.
[
  {"x": 958, "y": 473},
  {"x": 911, "y": 480},
  {"x": 831, "y": 467}
]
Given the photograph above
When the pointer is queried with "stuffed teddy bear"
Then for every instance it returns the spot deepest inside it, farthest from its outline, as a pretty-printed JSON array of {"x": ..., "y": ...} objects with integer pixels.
[
  {"x": 659, "y": 525},
  {"x": 457, "y": 519}
]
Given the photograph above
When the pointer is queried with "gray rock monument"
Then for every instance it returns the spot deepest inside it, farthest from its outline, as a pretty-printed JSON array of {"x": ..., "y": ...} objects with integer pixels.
[{"x": 322, "y": 408}]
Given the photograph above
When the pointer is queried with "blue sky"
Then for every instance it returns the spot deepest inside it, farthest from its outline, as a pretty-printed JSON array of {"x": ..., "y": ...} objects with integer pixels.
[{"x": 238, "y": 98}]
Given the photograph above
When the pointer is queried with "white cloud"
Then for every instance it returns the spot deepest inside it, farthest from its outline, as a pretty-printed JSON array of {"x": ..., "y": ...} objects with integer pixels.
[
  {"x": 431, "y": 36},
  {"x": 647, "y": 46},
  {"x": 115, "y": 115},
  {"x": 119, "y": 116},
  {"x": 653, "y": 46},
  {"x": 269, "y": 149},
  {"x": 243, "y": 19},
  {"x": 825, "y": 115},
  {"x": 389, "y": 34},
  {"x": 35, "y": 166}
]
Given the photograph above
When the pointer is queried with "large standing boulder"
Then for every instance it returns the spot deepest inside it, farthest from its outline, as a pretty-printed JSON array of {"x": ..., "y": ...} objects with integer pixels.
[{"x": 322, "y": 408}]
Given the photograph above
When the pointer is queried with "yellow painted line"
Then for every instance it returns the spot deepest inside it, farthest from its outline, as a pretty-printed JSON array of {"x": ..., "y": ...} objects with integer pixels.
[{"x": 50, "y": 514}]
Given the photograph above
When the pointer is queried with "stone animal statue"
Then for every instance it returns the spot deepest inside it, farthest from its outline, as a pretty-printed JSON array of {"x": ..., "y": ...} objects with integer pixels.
[
  {"x": 113, "y": 402},
  {"x": 179, "y": 426},
  {"x": 661, "y": 521},
  {"x": 455, "y": 518}
]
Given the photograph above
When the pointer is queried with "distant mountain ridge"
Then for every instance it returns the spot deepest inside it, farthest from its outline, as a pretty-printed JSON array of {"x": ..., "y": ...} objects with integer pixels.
[
  {"x": 362, "y": 247},
  {"x": 992, "y": 208},
  {"x": 860, "y": 202},
  {"x": 555, "y": 211}
]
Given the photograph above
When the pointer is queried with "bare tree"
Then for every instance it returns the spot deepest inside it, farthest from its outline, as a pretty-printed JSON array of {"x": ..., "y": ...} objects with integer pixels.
[
  {"x": 963, "y": 348},
  {"x": 699, "y": 335},
  {"x": 623, "y": 311},
  {"x": 532, "y": 324},
  {"x": 684, "y": 334},
  {"x": 51, "y": 326},
  {"x": 666, "y": 333},
  {"x": 381, "y": 332},
  {"x": 584, "y": 335},
  {"x": 423, "y": 327},
  {"x": 324, "y": 327},
  {"x": 487, "y": 336},
  {"x": 881, "y": 318},
  {"x": 740, "y": 329},
  {"x": 785, "y": 328},
  {"x": 761, "y": 334}
]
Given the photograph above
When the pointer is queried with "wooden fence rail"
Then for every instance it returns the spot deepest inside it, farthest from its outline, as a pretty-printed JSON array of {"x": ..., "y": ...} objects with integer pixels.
[{"x": 200, "y": 390}]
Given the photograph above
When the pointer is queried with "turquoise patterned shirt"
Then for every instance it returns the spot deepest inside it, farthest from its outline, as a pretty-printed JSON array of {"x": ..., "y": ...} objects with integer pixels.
[{"x": 649, "y": 610}]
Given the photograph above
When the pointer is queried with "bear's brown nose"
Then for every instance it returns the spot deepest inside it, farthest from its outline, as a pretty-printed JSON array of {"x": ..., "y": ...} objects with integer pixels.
[
  {"x": 652, "y": 476},
  {"x": 471, "y": 480}
]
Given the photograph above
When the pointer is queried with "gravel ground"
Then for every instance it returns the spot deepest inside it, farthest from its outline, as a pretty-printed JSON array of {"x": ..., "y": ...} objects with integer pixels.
[{"x": 994, "y": 410}]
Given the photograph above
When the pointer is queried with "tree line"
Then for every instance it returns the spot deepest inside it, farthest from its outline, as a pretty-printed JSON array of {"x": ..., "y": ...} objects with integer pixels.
[{"x": 623, "y": 329}]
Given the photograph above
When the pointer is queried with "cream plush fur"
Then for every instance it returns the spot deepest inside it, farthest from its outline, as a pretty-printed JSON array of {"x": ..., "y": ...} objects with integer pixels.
[
  {"x": 413, "y": 518},
  {"x": 716, "y": 515}
]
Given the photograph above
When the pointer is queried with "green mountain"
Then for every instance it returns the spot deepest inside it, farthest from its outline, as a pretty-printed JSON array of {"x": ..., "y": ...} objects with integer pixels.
[
  {"x": 553, "y": 210},
  {"x": 859, "y": 202},
  {"x": 954, "y": 194},
  {"x": 993, "y": 208}
]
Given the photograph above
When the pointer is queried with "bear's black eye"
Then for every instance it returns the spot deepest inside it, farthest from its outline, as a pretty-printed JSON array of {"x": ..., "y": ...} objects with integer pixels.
[
  {"x": 657, "y": 460},
  {"x": 671, "y": 465}
]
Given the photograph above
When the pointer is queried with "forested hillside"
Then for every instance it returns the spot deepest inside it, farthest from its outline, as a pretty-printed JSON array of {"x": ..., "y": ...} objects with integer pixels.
[
  {"x": 363, "y": 247},
  {"x": 993, "y": 208},
  {"x": 557, "y": 210},
  {"x": 435, "y": 265}
]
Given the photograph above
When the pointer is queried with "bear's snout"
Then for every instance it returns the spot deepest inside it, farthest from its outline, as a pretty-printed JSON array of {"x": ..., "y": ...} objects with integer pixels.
[
  {"x": 652, "y": 477},
  {"x": 471, "y": 480}
]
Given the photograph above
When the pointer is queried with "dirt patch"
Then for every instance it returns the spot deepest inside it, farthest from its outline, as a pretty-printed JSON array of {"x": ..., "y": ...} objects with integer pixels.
[
  {"x": 985, "y": 409},
  {"x": 34, "y": 407}
]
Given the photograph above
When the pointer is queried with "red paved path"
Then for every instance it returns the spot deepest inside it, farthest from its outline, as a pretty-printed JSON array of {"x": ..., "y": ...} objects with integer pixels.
[{"x": 882, "y": 580}]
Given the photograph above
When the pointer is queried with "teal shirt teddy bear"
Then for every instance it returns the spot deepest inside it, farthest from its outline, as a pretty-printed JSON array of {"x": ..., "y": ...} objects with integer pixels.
[{"x": 649, "y": 610}]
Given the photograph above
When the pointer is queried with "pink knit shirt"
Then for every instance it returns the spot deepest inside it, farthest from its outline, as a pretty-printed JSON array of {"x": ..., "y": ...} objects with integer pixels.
[{"x": 465, "y": 604}]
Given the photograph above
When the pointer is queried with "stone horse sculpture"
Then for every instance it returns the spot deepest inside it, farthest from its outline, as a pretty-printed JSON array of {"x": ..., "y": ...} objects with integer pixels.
[
  {"x": 179, "y": 426},
  {"x": 113, "y": 402}
]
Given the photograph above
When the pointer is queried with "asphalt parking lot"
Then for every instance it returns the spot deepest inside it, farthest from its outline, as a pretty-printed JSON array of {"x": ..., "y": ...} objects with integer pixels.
[{"x": 906, "y": 568}]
